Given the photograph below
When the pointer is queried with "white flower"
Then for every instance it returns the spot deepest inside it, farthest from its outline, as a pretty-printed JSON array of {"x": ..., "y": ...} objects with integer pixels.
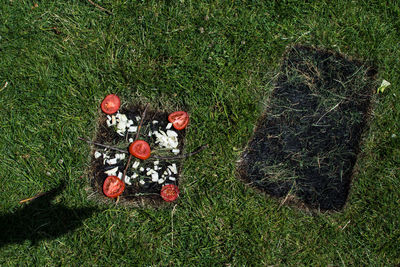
[
  {"x": 150, "y": 172},
  {"x": 112, "y": 161},
  {"x": 171, "y": 133},
  {"x": 120, "y": 156},
  {"x": 383, "y": 86},
  {"x": 173, "y": 168},
  {"x": 167, "y": 141},
  {"x": 112, "y": 172},
  {"x": 121, "y": 126},
  {"x": 97, "y": 155},
  {"x": 122, "y": 117},
  {"x": 127, "y": 180},
  {"x": 135, "y": 164},
  {"x": 154, "y": 177},
  {"x": 111, "y": 121},
  {"x": 132, "y": 129}
]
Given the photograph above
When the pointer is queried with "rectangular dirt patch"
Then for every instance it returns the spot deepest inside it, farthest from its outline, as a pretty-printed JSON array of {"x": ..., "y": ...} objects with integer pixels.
[{"x": 305, "y": 144}]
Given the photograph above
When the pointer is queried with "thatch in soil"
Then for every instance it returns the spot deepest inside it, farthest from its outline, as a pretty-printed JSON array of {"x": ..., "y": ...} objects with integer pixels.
[
  {"x": 305, "y": 145},
  {"x": 135, "y": 194}
]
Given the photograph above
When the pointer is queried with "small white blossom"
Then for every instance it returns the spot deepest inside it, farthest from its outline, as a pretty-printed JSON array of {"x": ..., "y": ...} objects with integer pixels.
[
  {"x": 112, "y": 161},
  {"x": 173, "y": 168},
  {"x": 97, "y": 154},
  {"x": 154, "y": 177},
  {"x": 132, "y": 129},
  {"x": 150, "y": 172},
  {"x": 112, "y": 172},
  {"x": 135, "y": 164},
  {"x": 127, "y": 180},
  {"x": 165, "y": 140}
]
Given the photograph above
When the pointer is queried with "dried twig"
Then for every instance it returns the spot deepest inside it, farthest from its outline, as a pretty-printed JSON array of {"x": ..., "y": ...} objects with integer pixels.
[
  {"x": 316, "y": 124},
  {"x": 100, "y": 7},
  {"x": 101, "y": 145},
  {"x": 126, "y": 168},
  {"x": 32, "y": 198},
  {"x": 136, "y": 138},
  {"x": 172, "y": 224},
  {"x": 183, "y": 155},
  {"x": 141, "y": 122},
  {"x": 342, "y": 228},
  {"x": 4, "y": 86}
]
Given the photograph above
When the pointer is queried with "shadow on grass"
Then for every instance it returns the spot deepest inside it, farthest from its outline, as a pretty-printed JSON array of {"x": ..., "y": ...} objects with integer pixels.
[{"x": 41, "y": 219}]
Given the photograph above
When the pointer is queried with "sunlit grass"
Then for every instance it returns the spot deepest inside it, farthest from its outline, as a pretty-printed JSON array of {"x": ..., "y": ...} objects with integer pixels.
[{"x": 215, "y": 60}]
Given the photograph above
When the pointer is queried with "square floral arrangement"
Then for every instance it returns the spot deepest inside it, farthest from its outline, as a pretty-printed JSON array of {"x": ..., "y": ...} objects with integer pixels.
[{"x": 137, "y": 153}]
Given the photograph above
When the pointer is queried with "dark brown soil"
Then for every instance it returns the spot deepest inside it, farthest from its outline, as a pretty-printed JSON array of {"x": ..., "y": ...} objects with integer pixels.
[
  {"x": 306, "y": 143},
  {"x": 148, "y": 194}
]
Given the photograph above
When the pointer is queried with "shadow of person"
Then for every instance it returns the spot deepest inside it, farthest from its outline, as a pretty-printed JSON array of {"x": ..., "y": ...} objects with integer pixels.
[{"x": 41, "y": 219}]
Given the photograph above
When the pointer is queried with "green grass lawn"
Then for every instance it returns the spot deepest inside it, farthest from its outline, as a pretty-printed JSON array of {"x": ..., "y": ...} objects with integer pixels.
[{"x": 217, "y": 61}]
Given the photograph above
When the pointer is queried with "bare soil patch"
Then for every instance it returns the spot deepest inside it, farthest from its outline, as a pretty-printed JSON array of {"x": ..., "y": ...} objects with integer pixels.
[{"x": 305, "y": 145}]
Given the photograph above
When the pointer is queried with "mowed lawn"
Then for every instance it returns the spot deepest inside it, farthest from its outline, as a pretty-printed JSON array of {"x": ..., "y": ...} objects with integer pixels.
[{"x": 217, "y": 60}]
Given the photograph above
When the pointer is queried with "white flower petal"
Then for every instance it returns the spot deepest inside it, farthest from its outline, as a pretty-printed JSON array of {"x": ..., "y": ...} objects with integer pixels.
[
  {"x": 154, "y": 177},
  {"x": 173, "y": 168},
  {"x": 112, "y": 161},
  {"x": 97, "y": 154},
  {"x": 136, "y": 164},
  {"x": 127, "y": 180},
  {"x": 132, "y": 129},
  {"x": 112, "y": 172},
  {"x": 172, "y": 133}
]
